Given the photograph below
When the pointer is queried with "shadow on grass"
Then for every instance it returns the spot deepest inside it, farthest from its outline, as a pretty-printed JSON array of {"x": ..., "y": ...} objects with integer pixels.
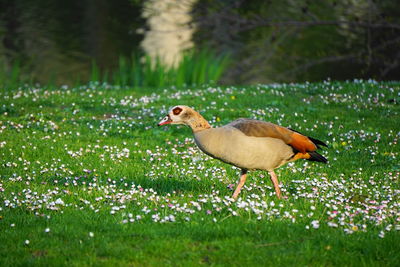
[{"x": 177, "y": 186}]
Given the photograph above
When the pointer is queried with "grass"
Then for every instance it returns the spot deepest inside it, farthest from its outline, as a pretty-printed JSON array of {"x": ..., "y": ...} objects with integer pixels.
[{"x": 88, "y": 179}]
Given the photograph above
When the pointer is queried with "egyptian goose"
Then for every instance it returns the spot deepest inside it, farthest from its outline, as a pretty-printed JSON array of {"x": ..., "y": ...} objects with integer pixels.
[{"x": 248, "y": 144}]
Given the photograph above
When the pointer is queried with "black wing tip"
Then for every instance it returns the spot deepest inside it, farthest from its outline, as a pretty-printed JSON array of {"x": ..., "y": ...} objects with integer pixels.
[
  {"x": 315, "y": 156},
  {"x": 317, "y": 142}
]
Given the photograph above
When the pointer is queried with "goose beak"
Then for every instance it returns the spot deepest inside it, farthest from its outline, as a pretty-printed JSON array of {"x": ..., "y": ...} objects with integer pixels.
[{"x": 164, "y": 121}]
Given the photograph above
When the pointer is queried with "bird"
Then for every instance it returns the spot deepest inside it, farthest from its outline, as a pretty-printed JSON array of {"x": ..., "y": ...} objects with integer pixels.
[{"x": 248, "y": 144}]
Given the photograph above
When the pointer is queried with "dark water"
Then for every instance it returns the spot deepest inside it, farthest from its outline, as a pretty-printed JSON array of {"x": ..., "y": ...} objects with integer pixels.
[{"x": 58, "y": 40}]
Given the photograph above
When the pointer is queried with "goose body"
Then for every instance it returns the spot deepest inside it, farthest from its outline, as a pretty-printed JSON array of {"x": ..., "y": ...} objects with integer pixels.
[
  {"x": 232, "y": 146},
  {"x": 247, "y": 144}
]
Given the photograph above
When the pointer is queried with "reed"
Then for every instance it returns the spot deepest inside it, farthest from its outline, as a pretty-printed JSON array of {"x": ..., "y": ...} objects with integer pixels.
[{"x": 197, "y": 67}]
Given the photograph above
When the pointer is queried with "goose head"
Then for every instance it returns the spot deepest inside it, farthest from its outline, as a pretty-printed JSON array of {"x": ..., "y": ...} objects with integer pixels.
[
  {"x": 178, "y": 115},
  {"x": 185, "y": 115}
]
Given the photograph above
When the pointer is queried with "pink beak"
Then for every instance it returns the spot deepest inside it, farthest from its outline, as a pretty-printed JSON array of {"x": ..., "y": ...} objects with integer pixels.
[{"x": 166, "y": 120}]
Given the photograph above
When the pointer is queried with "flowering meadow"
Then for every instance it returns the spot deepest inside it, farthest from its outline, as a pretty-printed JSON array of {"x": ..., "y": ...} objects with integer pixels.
[{"x": 87, "y": 178}]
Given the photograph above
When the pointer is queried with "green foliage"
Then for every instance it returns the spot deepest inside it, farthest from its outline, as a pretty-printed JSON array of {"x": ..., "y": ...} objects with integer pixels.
[
  {"x": 95, "y": 73},
  {"x": 13, "y": 77},
  {"x": 286, "y": 41},
  {"x": 196, "y": 67}
]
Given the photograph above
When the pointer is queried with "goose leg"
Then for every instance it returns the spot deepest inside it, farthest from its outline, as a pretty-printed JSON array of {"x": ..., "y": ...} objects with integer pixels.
[
  {"x": 274, "y": 180},
  {"x": 241, "y": 183}
]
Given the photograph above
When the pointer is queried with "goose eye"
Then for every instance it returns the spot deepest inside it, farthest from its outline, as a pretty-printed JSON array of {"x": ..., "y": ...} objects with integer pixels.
[{"x": 177, "y": 111}]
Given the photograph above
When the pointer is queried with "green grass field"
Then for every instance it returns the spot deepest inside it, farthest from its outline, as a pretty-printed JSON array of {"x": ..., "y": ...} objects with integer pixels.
[{"x": 87, "y": 178}]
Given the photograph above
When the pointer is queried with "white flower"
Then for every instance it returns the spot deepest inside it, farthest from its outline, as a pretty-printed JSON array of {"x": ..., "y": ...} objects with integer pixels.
[
  {"x": 332, "y": 224},
  {"x": 59, "y": 202},
  {"x": 315, "y": 224},
  {"x": 171, "y": 218},
  {"x": 348, "y": 231},
  {"x": 47, "y": 230},
  {"x": 381, "y": 234},
  {"x": 196, "y": 159},
  {"x": 27, "y": 242},
  {"x": 91, "y": 234},
  {"x": 241, "y": 204}
]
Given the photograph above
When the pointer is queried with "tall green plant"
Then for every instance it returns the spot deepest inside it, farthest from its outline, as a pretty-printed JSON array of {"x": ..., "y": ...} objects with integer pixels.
[
  {"x": 95, "y": 72},
  {"x": 196, "y": 67},
  {"x": 14, "y": 76}
]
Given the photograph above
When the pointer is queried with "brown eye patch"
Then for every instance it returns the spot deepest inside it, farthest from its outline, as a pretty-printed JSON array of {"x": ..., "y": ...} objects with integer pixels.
[{"x": 177, "y": 111}]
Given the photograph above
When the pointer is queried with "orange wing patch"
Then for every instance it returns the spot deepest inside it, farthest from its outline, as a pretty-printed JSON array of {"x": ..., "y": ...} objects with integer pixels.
[
  {"x": 301, "y": 156},
  {"x": 301, "y": 143},
  {"x": 298, "y": 141}
]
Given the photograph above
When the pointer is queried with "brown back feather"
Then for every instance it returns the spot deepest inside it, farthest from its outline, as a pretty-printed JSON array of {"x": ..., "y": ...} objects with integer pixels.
[{"x": 258, "y": 128}]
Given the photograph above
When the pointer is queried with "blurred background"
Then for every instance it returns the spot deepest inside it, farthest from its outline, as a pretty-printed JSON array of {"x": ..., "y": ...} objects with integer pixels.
[{"x": 185, "y": 42}]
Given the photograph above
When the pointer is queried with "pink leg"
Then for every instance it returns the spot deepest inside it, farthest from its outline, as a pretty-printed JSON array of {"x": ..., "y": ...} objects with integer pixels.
[
  {"x": 274, "y": 180},
  {"x": 241, "y": 183}
]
